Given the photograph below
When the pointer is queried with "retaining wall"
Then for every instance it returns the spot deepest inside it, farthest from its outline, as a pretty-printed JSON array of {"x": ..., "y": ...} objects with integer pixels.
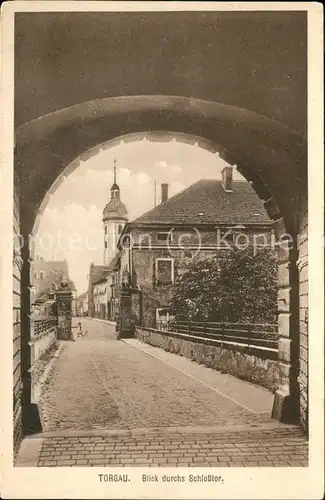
[
  {"x": 42, "y": 349},
  {"x": 248, "y": 363}
]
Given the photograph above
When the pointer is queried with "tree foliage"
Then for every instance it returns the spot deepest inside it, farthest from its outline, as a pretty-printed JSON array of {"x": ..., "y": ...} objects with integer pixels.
[{"x": 239, "y": 286}]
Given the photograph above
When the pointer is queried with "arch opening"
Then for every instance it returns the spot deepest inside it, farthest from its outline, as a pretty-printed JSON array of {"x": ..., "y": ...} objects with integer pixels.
[
  {"x": 154, "y": 137},
  {"x": 269, "y": 155}
]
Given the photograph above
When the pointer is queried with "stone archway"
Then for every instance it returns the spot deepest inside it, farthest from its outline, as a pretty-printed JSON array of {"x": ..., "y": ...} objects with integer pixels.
[{"x": 270, "y": 155}]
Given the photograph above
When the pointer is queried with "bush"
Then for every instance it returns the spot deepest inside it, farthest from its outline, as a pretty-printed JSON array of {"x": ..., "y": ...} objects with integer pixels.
[{"x": 239, "y": 287}]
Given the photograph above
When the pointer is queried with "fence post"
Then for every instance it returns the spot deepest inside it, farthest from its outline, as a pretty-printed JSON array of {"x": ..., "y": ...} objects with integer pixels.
[{"x": 249, "y": 335}]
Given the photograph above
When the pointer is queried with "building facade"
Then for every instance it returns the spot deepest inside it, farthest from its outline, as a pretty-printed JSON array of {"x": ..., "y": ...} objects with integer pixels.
[
  {"x": 101, "y": 299},
  {"x": 82, "y": 305},
  {"x": 203, "y": 220},
  {"x": 96, "y": 274},
  {"x": 47, "y": 275}
]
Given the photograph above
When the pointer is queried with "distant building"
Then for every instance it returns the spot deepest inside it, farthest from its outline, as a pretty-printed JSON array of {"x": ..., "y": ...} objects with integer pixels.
[
  {"x": 103, "y": 290},
  {"x": 47, "y": 275},
  {"x": 96, "y": 274},
  {"x": 195, "y": 224},
  {"x": 82, "y": 305}
]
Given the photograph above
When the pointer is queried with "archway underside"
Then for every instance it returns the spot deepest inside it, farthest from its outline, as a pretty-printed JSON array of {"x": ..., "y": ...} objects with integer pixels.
[{"x": 265, "y": 152}]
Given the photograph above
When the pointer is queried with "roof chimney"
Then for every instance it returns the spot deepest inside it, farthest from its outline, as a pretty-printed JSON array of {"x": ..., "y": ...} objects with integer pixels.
[
  {"x": 227, "y": 178},
  {"x": 164, "y": 192}
]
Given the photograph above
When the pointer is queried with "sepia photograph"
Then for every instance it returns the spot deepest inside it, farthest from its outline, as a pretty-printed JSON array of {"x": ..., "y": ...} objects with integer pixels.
[{"x": 160, "y": 283}]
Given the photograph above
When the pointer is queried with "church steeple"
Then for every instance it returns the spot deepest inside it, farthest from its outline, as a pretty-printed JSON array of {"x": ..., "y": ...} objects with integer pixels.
[
  {"x": 115, "y": 190},
  {"x": 114, "y": 218}
]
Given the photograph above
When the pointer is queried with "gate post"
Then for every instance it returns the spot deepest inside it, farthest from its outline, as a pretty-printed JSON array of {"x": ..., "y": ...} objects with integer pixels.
[
  {"x": 31, "y": 422},
  {"x": 25, "y": 338},
  {"x": 286, "y": 400},
  {"x": 126, "y": 327},
  {"x": 63, "y": 298}
]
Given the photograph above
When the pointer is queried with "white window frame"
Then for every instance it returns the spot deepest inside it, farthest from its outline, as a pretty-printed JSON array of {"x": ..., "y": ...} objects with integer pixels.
[
  {"x": 164, "y": 259},
  {"x": 168, "y": 234},
  {"x": 162, "y": 309}
]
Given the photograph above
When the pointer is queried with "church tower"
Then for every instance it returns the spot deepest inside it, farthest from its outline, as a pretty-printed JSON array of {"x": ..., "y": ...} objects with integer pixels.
[{"x": 114, "y": 218}]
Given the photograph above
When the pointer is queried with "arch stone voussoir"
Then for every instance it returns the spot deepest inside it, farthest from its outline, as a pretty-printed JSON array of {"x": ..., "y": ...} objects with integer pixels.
[{"x": 45, "y": 146}]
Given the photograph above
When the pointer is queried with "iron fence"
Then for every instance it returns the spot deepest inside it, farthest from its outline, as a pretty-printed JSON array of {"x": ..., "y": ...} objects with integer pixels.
[
  {"x": 44, "y": 325},
  {"x": 252, "y": 335}
]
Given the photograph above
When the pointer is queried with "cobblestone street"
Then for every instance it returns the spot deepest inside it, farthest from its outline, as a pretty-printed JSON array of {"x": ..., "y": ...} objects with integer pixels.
[
  {"x": 100, "y": 382},
  {"x": 123, "y": 402}
]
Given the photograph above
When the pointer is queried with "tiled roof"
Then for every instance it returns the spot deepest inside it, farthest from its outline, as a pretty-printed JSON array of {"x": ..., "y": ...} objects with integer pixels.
[
  {"x": 113, "y": 265},
  {"x": 115, "y": 209},
  {"x": 97, "y": 273},
  {"x": 100, "y": 273},
  {"x": 206, "y": 202}
]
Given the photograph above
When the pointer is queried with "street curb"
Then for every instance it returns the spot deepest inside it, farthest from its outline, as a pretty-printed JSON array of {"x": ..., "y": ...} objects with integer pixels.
[
  {"x": 29, "y": 452},
  {"x": 47, "y": 371},
  {"x": 234, "y": 429}
]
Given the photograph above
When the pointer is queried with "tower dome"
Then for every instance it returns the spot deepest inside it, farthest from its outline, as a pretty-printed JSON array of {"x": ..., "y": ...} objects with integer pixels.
[{"x": 115, "y": 209}]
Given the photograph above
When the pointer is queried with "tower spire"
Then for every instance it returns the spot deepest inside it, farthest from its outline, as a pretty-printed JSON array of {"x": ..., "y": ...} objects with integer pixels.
[{"x": 114, "y": 170}]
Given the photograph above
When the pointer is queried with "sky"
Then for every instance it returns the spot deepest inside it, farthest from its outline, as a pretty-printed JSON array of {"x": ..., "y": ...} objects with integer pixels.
[{"x": 71, "y": 226}]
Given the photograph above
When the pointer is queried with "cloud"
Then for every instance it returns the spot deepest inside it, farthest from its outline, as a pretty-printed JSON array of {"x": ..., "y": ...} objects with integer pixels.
[
  {"x": 174, "y": 168},
  {"x": 123, "y": 175},
  {"x": 142, "y": 178}
]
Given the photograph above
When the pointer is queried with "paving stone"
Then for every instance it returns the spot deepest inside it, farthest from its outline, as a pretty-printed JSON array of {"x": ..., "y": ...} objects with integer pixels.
[
  {"x": 75, "y": 399},
  {"x": 66, "y": 462}
]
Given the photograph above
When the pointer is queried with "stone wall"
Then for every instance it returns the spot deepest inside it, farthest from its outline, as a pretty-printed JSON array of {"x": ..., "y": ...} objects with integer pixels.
[
  {"x": 42, "y": 353},
  {"x": 246, "y": 363},
  {"x": 191, "y": 248},
  {"x": 41, "y": 343},
  {"x": 155, "y": 296},
  {"x": 17, "y": 329},
  {"x": 303, "y": 313}
]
